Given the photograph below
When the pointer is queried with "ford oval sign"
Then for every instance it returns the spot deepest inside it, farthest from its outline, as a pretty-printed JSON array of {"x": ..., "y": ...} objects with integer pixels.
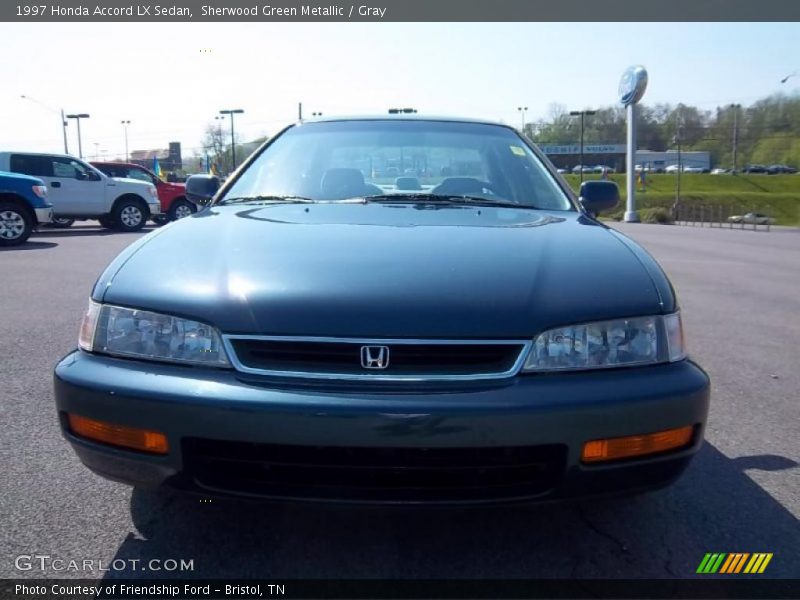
[{"x": 632, "y": 85}]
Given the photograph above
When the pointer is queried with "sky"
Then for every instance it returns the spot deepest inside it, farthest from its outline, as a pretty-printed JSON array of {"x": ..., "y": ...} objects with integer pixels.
[{"x": 171, "y": 79}]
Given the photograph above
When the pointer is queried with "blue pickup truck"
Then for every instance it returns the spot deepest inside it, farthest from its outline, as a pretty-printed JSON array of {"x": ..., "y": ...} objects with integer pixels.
[{"x": 23, "y": 206}]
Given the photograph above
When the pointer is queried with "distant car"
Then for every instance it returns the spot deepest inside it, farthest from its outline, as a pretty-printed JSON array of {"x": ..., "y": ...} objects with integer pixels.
[
  {"x": 582, "y": 168},
  {"x": 172, "y": 196},
  {"x": 78, "y": 191},
  {"x": 671, "y": 169},
  {"x": 720, "y": 171},
  {"x": 562, "y": 171},
  {"x": 780, "y": 170},
  {"x": 601, "y": 168},
  {"x": 693, "y": 169},
  {"x": 754, "y": 169},
  {"x": 752, "y": 219}
]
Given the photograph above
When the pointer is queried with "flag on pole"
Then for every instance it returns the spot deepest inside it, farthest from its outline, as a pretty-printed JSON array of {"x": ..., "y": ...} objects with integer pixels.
[{"x": 156, "y": 167}]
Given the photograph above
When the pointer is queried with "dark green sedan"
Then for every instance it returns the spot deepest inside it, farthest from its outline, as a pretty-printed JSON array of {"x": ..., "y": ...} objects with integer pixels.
[{"x": 386, "y": 310}]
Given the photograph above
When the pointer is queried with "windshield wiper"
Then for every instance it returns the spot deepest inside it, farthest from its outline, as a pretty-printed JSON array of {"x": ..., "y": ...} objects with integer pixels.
[
  {"x": 257, "y": 199},
  {"x": 443, "y": 199}
]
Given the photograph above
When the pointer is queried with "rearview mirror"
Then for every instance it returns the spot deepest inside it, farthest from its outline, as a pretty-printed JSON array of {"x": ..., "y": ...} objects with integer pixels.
[
  {"x": 200, "y": 189},
  {"x": 597, "y": 196}
]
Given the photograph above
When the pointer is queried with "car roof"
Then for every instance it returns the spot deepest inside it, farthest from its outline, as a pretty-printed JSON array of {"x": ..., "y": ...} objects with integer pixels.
[
  {"x": 116, "y": 163},
  {"x": 42, "y": 154},
  {"x": 405, "y": 117}
]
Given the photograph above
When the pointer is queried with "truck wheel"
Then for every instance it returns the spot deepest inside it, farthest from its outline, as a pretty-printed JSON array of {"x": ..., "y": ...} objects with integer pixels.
[
  {"x": 129, "y": 214},
  {"x": 181, "y": 209},
  {"x": 106, "y": 221},
  {"x": 61, "y": 222},
  {"x": 15, "y": 224}
]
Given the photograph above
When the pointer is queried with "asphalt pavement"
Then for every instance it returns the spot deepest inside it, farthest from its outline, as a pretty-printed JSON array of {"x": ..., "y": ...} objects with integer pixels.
[{"x": 740, "y": 295}]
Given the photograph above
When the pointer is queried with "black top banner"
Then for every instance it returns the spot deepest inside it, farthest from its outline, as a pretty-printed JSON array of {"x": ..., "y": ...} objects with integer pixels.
[{"x": 399, "y": 10}]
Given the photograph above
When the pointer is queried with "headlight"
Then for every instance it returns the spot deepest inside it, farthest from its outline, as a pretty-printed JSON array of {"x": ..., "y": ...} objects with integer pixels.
[
  {"x": 152, "y": 336},
  {"x": 604, "y": 344}
]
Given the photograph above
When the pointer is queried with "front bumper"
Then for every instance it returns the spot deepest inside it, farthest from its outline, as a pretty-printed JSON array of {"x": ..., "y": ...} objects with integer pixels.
[
  {"x": 248, "y": 420},
  {"x": 44, "y": 215},
  {"x": 155, "y": 207}
]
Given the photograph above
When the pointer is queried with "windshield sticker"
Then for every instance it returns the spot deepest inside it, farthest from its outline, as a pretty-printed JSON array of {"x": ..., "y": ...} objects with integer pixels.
[{"x": 519, "y": 151}]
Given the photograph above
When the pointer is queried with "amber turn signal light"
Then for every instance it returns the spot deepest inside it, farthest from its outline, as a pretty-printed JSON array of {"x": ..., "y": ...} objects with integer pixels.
[
  {"x": 636, "y": 445},
  {"x": 143, "y": 440}
]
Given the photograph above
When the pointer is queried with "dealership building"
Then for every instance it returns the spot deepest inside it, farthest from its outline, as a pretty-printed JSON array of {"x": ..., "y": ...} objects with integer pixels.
[{"x": 567, "y": 156}]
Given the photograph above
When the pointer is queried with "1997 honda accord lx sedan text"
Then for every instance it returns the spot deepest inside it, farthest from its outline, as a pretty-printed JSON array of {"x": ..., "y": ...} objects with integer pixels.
[{"x": 392, "y": 309}]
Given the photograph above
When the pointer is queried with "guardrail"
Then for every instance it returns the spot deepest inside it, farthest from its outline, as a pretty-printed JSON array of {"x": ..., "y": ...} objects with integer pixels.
[{"x": 717, "y": 215}]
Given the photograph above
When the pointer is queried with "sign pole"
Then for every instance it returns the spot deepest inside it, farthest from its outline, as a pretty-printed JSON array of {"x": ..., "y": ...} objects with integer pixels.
[
  {"x": 631, "y": 89},
  {"x": 631, "y": 216}
]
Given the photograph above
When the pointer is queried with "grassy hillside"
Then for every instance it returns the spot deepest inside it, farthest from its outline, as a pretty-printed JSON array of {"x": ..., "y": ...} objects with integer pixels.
[{"x": 777, "y": 195}]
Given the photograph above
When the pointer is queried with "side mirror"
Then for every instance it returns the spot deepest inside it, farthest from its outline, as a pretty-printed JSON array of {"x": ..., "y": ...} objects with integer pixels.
[
  {"x": 201, "y": 188},
  {"x": 597, "y": 196}
]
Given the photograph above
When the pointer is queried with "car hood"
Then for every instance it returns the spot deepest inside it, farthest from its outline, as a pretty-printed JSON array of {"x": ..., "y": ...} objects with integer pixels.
[
  {"x": 129, "y": 181},
  {"x": 21, "y": 177},
  {"x": 381, "y": 270}
]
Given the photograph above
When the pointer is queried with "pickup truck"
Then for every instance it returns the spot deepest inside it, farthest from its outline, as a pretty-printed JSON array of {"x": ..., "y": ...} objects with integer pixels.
[
  {"x": 23, "y": 206},
  {"x": 172, "y": 196},
  {"x": 79, "y": 191}
]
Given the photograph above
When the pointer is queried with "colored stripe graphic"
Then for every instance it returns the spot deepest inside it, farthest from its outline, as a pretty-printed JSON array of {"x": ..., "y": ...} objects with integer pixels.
[
  {"x": 729, "y": 564},
  {"x": 711, "y": 562},
  {"x": 734, "y": 563},
  {"x": 758, "y": 563}
]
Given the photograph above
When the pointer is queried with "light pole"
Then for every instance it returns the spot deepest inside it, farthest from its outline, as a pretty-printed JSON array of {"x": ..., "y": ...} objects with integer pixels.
[
  {"x": 582, "y": 114},
  {"x": 125, "y": 129},
  {"x": 53, "y": 110},
  {"x": 523, "y": 110},
  {"x": 316, "y": 114},
  {"x": 231, "y": 112},
  {"x": 735, "y": 144},
  {"x": 78, "y": 117},
  {"x": 677, "y": 140}
]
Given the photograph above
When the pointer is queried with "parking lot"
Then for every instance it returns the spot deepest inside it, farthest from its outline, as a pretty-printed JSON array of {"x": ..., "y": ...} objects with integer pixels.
[{"x": 740, "y": 295}]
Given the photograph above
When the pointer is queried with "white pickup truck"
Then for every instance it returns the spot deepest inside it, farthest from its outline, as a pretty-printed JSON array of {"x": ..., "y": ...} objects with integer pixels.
[{"x": 79, "y": 191}]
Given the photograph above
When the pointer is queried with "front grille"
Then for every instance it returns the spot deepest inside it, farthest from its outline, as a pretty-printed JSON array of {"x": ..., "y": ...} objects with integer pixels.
[
  {"x": 403, "y": 359},
  {"x": 374, "y": 474}
]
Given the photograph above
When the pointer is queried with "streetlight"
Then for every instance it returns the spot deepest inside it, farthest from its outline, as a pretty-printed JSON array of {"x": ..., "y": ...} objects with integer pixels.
[
  {"x": 735, "y": 108},
  {"x": 125, "y": 128},
  {"x": 78, "y": 117},
  {"x": 53, "y": 110},
  {"x": 316, "y": 114},
  {"x": 523, "y": 110},
  {"x": 582, "y": 114},
  {"x": 234, "y": 111},
  {"x": 677, "y": 140}
]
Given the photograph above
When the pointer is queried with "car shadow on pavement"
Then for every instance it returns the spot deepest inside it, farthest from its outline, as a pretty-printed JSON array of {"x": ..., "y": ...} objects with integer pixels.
[
  {"x": 29, "y": 246},
  {"x": 714, "y": 507},
  {"x": 81, "y": 231}
]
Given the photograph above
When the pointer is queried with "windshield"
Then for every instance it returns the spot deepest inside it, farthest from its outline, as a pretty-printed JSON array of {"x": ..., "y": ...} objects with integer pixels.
[{"x": 399, "y": 160}]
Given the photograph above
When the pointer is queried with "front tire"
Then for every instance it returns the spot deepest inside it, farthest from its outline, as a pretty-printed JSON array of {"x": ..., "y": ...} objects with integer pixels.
[
  {"x": 15, "y": 224},
  {"x": 129, "y": 215},
  {"x": 181, "y": 209}
]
